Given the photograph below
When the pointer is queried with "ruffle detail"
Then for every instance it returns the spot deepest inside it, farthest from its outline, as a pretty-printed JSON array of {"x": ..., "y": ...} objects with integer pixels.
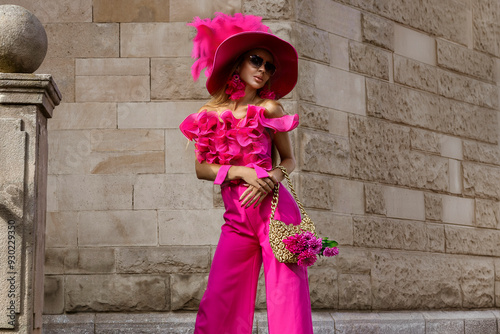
[{"x": 226, "y": 140}]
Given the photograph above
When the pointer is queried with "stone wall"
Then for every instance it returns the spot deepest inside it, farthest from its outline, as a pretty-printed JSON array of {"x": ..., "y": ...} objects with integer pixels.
[{"x": 398, "y": 154}]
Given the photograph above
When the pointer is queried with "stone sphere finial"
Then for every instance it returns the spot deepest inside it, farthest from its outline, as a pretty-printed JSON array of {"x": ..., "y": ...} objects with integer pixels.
[{"x": 23, "y": 41}]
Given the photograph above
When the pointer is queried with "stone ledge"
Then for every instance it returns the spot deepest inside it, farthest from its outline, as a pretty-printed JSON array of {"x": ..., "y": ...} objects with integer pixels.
[{"x": 421, "y": 322}]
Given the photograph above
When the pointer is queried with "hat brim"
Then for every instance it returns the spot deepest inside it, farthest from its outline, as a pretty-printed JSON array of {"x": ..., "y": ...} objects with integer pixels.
[{"x": 284, "y": 56}]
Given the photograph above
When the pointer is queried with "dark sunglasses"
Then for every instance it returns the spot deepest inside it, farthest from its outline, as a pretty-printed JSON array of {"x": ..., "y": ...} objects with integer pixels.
[{"x": 257, "y": 62}]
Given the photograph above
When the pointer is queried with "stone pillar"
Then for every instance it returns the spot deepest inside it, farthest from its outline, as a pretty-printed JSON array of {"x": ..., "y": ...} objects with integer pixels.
[{"x": 26, "y": 102}]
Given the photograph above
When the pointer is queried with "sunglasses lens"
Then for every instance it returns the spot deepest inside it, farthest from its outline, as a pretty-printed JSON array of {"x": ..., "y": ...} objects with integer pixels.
[
  {"x": 257, "y": 61},
  {"x": 270, "y": 68}
]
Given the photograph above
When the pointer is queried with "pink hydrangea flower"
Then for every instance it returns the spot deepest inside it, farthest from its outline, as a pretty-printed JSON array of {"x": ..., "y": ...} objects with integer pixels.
[
  {"x": 295, "y": 243},
  {"x": 307, "y": 258},
  {"x": 331, "y": 251},
  {"x": 315, "y": 244}
]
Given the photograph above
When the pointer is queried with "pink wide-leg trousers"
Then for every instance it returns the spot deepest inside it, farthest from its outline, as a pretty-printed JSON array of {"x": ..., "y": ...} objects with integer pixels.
[{"x": 227, "y": 307}]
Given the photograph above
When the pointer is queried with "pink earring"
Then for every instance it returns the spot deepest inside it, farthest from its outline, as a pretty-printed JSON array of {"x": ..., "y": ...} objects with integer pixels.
[
  {"x": 235, "y": 87},
  {"x": 265, "y": 93}
]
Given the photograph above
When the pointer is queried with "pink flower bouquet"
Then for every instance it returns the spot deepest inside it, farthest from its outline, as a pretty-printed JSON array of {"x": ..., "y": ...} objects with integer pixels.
[{"x": 307, "y": 247}]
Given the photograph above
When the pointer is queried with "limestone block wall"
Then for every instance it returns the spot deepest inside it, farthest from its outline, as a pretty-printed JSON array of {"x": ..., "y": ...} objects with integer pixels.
[{"x": 398, "y": 152}]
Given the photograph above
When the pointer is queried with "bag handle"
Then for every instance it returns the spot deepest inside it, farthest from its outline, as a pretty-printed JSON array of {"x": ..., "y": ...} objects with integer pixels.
[{"x": 274, "y": 202}]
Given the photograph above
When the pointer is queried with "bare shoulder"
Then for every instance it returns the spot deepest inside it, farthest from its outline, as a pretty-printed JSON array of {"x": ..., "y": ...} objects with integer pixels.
[{"x": 273, "y": 109}]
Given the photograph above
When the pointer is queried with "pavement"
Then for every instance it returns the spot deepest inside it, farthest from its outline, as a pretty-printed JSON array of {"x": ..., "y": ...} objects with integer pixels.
[{"x": 331, "y": 322}]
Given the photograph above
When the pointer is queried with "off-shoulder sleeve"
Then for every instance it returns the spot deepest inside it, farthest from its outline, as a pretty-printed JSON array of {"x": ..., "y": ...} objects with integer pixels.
[
  {"x": 202, "y": 128},
  {"x": 199, "y": 124},
  {"x": 281, "y": 124}
]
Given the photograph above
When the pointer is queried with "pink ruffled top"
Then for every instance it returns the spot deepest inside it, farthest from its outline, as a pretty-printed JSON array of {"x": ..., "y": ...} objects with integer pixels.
[{"x": 226, "y": 140}]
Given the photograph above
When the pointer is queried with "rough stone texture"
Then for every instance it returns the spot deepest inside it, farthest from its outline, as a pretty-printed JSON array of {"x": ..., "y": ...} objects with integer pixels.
[
  {"x": 429, "y": 111},
  {"x": 312, "y": 43},
  {"x": 433, "y": 206},
  {"x": 369, "y": 60},
  {"x": 79, "y": 260},
  {"x": 469, "y": 240},
  {"x": 415, "y": 74},
  {"x": 485, "y": 26},
  {"x": 481, "y": 180},
  {"x": 467, "y": 89},
  {"x": 433, "y": 281},
  {"x": 312, "y": 116},
  {"x": 323, "y": 153},
  {"x": 374, "y": 199},
  {"x": 315, "y": 191},
  {"x": 461, "y": 59},
  {"x": 162, "y": 260},
  {"x": 447, "y": 18},
  {"x": 269, "y": 9},
  {"x": 187, "y": 290},
  {"x": 165, "y": 83},
  {"x": 354, "y": 292},
  {"x": 390, "y": 233},
  {"x": 377, "y": 31},
  {"x": 380, "y": 152},
  {"x": 105, "y": 293},
  {"x": 436, "y": 238},
  {"x": 130, "y": 11},
  {"x": 23, "y": 40},
  {"x": 425, "y": 141},
  {"x": 479, "y": 152},
  {"x": 487, "y": 213}
]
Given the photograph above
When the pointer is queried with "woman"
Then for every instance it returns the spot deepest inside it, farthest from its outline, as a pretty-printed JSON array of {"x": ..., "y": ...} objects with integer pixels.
[{"x": 234, "y": 134}]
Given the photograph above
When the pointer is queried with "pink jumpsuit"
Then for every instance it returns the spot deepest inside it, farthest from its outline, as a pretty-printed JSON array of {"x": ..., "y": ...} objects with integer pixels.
[{"x": 227, "y": 307}]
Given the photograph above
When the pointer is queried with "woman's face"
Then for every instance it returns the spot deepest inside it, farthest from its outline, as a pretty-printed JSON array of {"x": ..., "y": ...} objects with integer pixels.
[{"x": 254, "y": 76}]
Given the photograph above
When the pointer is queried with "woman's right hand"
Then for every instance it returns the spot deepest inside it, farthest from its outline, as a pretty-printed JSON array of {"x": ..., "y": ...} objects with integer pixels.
[{"x": 258, "y": 188}]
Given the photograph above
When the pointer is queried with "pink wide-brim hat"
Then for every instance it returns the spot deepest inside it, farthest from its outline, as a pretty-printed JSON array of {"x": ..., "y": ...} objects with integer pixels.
[{"x": 285, "y": 59}]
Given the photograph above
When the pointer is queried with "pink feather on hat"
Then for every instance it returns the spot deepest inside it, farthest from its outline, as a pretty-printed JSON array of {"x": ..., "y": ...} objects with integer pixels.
[{"x": 211, "y": 33}]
